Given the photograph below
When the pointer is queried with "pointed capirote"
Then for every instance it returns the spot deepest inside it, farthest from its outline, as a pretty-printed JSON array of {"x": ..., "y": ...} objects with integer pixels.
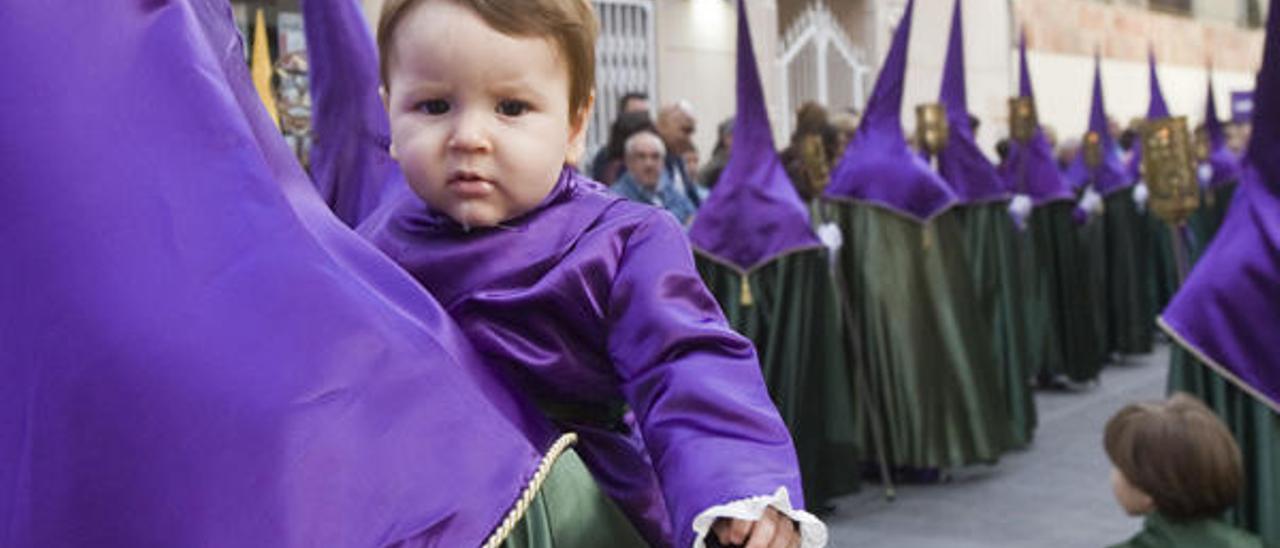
[
  {"x": 961, "y": 163},
  {"x": 1031, "y": 168},
  {"x": 754, "y": 214},
  {"x": 878, "y": 167}
]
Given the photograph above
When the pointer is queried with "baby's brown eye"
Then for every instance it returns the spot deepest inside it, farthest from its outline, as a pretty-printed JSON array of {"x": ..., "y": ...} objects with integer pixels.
[
  {"x": 434, "y": 106},
  {"x": 512, "y": 107}
]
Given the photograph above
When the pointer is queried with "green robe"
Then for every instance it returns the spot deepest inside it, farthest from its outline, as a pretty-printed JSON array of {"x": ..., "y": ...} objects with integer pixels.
[
  {"x": 1256, "y": 428},
  {"x": 570, "y": 511},
  {"x": 1213, "y": 209},
  {"x": 1093, "y": 291},
  {"x": 793, "y": 317},
  {"x": 1062, "y": 273},
  {"x": 1131, "y": 310},
  {"x": 990, "y": 241},
  {"x": 1163, "y": 263},
  {"x": 927, "y": 346},
  {"x": 1161, "y": 532}
]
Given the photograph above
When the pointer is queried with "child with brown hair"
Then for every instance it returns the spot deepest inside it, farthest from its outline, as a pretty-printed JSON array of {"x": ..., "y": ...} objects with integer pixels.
[
  {"x": 1176, "y": 463},
  {"x": 589, "y": 303}
]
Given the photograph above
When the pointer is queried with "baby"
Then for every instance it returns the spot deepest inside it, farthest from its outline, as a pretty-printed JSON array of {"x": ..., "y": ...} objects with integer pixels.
[
  {"x": 1176, "y": 463},
  {"x": 589, "y": 303}
]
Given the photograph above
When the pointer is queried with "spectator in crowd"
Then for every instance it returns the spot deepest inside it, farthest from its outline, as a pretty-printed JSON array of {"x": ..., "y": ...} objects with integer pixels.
[
  {"x": 608, "y": 163},
  {"x": 643, "y": 179},
  {"x": 634, "y": 101},
  {"x": 676, "y": 125}
]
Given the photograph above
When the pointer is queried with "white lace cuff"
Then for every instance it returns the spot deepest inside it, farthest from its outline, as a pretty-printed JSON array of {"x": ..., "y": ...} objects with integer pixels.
[{"x": 813, "y": 533}]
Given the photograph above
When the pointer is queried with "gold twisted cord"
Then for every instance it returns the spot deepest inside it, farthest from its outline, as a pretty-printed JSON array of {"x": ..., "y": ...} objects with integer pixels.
[{"x": 517, "y": 512}]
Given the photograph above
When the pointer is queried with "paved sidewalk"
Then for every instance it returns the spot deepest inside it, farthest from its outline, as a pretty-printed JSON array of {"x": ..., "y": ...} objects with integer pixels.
[{"x": 1055, "y": 493}]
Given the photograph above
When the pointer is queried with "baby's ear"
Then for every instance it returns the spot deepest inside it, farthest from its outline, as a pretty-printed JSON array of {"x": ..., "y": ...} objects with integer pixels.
[
  {"x": 578, "y": 131},
  {"x": 386, "y": 105}
]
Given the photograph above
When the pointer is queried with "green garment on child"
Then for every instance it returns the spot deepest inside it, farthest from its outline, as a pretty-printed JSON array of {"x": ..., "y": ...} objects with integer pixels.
[{"x": 1161, "y": 532}]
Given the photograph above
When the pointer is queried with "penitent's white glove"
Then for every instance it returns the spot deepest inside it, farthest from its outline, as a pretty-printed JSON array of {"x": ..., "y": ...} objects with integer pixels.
[
  {"x": 831, "y": 237},
  {"x": 1091, "y": 203},
  {"x": 1020, "y": 209},
  {"x": 1140, "y": 195}
]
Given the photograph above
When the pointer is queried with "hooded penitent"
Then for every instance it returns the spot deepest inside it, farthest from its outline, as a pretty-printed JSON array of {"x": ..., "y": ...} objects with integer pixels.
[
  {"x": 1156, "y": 108},
  {"x": 1224, "y": 163},
  {"x": 196, "y": 352},
  {"x": 962, "y": 164},
  {"x": 989, "y": 238},
  {"x": 1054, "y": 264},
  {"x": 905, "y": 268},
  {"x": 1226, "y": 311},
  {"x": 1110, "y": 174},
  {"x": 1030, "y": 168},
  {"x": 758, "y": 255}
]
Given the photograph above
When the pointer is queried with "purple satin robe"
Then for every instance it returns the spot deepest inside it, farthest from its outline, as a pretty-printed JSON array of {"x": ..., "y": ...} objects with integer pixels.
[{"x": 590, "y": 301}]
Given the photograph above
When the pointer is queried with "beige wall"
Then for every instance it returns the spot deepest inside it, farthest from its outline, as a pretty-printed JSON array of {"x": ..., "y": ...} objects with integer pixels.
[
  {"x": 1064, "y": 84},
  {"x": 697, "y": 49}
]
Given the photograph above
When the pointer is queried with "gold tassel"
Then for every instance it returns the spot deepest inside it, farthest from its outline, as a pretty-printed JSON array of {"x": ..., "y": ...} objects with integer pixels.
[
  {"x": 926, "y": 236},
  {"x": 745, "y": 297}
]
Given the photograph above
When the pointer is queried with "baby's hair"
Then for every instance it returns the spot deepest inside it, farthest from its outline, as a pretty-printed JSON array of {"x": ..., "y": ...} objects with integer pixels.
[
  {"x": 570, "y": 24},
  {"x": 1178, "y": 452}
]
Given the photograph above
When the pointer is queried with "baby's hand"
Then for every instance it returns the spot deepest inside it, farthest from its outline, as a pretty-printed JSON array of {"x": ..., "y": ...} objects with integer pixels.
[{"x": 772, "y": 530}]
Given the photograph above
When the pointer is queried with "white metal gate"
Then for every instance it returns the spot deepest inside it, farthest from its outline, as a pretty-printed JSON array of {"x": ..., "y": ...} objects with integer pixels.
[
  {"x": 819, "y": 63},
  {"x": 626, "y": 61}
]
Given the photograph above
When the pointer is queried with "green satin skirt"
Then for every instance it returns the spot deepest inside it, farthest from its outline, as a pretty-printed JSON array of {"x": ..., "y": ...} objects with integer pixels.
[
  {"x": 990, "y": 248},
  {"x": 1062, "y": 272},
  {"x": 1257, "y": 430},
  {"x": 570, "y": 511},
  {"x": 1131, "y": 310},
  {"x": 928, "y": 348},
  {"x": 791, "y": 312}
]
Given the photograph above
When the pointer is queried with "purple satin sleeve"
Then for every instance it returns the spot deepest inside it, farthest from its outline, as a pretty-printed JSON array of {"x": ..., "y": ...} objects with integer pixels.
[{"x": 696, "y": 388}]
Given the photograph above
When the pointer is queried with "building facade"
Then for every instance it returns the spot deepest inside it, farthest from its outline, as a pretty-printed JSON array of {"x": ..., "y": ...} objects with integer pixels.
[{"x": 830, "y": 50}]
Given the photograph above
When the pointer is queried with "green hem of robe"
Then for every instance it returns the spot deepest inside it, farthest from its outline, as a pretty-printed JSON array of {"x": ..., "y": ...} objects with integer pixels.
[
  {"x": 990, "y": 249},
  {"x": 1131, "y": 310},
  {"x": 1256, "y": 428},
  {"x": 794, "y": 321},
  {"x": 570, "y": 511},
  {"x": 929, "y": 353}
]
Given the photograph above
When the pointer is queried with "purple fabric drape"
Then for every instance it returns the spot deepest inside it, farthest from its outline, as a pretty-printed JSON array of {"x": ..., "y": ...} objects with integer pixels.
[
  {"x": 1227, "y": 309},
  {"x": 195, "y": 352}
]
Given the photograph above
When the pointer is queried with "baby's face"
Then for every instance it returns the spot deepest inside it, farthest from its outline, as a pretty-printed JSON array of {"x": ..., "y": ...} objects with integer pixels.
[{"x": 479, "y": 120}]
